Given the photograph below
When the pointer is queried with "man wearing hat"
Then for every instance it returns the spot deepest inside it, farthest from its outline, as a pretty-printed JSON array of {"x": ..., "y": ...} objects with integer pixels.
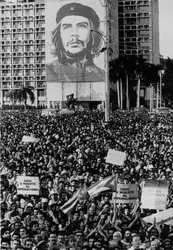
[{"x": 77, "y": 40}]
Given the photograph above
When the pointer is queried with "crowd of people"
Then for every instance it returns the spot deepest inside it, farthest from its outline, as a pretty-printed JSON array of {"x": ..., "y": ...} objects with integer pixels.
[{"x": 69, "y": 155}]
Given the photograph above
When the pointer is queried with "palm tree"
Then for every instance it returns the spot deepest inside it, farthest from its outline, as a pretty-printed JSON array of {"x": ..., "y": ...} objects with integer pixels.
[
  {"x": 151, "y": 76},
  {"x": 140, "y": 67},
  {"x": 116, "y": 75},
  {"x": 22, "y": 95},
  {"x": 123, "y": 69},
  {"x": 167, "y": 79}
]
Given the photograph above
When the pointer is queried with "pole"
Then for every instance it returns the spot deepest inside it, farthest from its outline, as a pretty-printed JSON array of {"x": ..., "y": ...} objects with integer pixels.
[
  {"x": 150, "y": 97},
  {"x": 107, "y": 87},
  {"x": 157, "y": 95},
  {"x": 160, "y": 89}
]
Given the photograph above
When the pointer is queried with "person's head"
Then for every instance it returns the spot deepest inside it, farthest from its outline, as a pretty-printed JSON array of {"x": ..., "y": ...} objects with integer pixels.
[
  {"x": 5, "y": 243},
  {"x": 113, "y": 245},
  {"x": 76, "y": 216},
  {"x": 14, "y": 207},
  {"x": 15, "y": 236},
  {"x": 111, "y": 232},
  {"x": 153, "y": 245},
  {"x": 60, "y": 238},
  {"x": 127, "y": 235},
  {"x": 167, "y": 244},
  {"x": 71, "y": 241},
  {"x": 20, "y": 248},
  {"x": 22, "y": 232},
  {"x": 117, "y": 236},
  {"x": 136, "y": 241},
  {"x": 79, "y": 236},
  {"x": 91, "y": 211},
  {"x": 15, "y": 244},
  {"x": 34, "y": 225},
  {"x": 44, "y": 234},
  {"x": 154, "y": 232},
  {"x": 98, "y": 244},
  {"x": 29, "y": 244},
  {"x": 53, "y": 238},
  {"x": 5, "y": 233},
  {"x": 77, "y": 31},
  {"x": 35, "y": 211},
  {"x": 91, "y": 241}
]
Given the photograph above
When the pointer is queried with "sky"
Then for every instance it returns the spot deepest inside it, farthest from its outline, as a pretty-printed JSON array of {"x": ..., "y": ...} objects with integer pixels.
[{"x": 166, "y": 27}]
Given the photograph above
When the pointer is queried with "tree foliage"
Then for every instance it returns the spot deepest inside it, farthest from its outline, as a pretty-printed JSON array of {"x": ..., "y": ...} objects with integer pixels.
[
  {"x": 22, "y": 95},
  {"x": 167, "y": 80}
]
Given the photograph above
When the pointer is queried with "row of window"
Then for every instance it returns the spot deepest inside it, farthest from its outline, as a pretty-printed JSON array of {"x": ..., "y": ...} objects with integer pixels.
[
  {"x": 40, "y": 92},
  {"x": 133, "y": 27},
  {"x": 134, "y": 15},
  {"x": 145, "y": 2},
  {"x": 21, "y": 6},
  {"x": 8, "y": 49},
  {"x": 29, "y": 64},
  {"x": 11, "y": 26}
]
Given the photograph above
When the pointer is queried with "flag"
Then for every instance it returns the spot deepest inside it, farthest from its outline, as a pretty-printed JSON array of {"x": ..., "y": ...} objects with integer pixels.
[
  {"x": 71, "y": 203},
  {"x": 80, "y": 196},
  {"x": 107, "y": 184}
]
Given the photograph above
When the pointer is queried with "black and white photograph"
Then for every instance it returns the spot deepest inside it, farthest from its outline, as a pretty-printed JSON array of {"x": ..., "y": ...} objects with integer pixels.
[{"x": 86, "y": 125}]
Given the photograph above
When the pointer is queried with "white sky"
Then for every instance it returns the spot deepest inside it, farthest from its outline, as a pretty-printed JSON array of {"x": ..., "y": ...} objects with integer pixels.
[{"x": 166, "y": 27}]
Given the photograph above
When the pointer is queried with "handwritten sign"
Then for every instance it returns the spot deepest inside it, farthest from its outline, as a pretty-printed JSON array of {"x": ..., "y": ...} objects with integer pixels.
[
  {"x": 164, "y": 217},
  {"x": 116, "y": 157},
  {"x": 29, "y": 139},
  {"x": 28, "y": 185},
  {"x": 154, "y": 195},
  {"x": 126, "y": 193},
  {"x": 47, "y": 112}
]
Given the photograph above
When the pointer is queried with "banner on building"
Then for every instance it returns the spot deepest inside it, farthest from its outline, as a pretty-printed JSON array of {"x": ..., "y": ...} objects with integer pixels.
[
  {"x": 126, "y": 193},
  {"x": 164, "y": 217},
  {"x": 28, "y": 185},
  {"x": 74, "y": 37},
  {"x": 29, "y": 139},
  {"x": 154, "y": 194},
  {"x": 116, "y": 157}
]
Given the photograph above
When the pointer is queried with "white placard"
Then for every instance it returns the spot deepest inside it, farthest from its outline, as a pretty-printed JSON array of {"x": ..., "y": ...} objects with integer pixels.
[
  {"x": 154, "y": 195},
  {"x": 28, "y": 185},
  {"x": 116, "y": 157},
  {"x": 126, "y": 193},
  {"x": 164, "y": 217},
  {"x": 29, "y": 139}
]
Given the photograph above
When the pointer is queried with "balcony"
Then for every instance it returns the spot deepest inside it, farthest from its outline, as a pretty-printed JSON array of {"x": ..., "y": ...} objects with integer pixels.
[{"x": 6, "y": 85}]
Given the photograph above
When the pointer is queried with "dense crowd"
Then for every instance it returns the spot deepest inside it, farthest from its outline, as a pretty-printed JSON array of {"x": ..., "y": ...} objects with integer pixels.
[{"x": 70, "y": 154}]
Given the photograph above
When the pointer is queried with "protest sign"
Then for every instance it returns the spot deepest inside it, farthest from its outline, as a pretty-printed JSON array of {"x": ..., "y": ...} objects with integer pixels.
[
  {"x": 28, "y": 185},
  {"x": 29, "y": 139},
  {"x": 48, "y": 112},
  {"x": 116, "y": 157},
  {"x": 126, "y": 193},
  {"x": 164, "y": 217},
  {"x": 154, "y": 194}
]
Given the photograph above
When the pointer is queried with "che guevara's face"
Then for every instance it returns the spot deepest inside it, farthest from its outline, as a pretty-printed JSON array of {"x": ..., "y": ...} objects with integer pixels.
[{"x": 75, "y": 33}]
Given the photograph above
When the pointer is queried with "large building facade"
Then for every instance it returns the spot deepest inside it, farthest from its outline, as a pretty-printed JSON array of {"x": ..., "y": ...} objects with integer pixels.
[
  {"x": 139, "y": 28},
  {"x": 133, "y": 29},
  {"x": 22, "y": 49}
]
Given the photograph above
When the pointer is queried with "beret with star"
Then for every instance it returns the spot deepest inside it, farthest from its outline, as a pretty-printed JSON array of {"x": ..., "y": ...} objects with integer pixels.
[{"x": 77, "y": 9}]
